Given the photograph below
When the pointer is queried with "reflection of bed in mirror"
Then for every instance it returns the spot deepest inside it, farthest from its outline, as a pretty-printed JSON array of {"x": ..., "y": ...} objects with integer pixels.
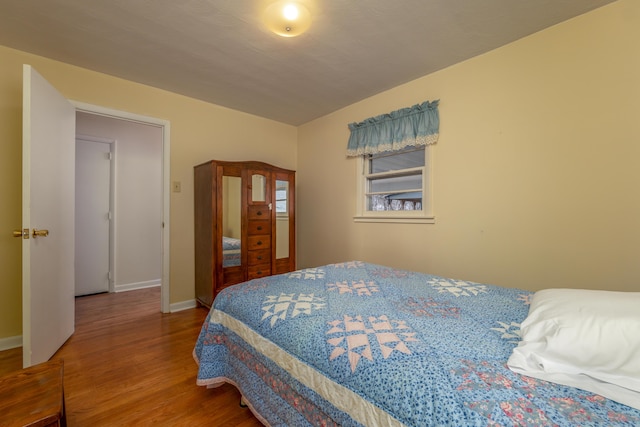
[{"x": 230, "y": 252}]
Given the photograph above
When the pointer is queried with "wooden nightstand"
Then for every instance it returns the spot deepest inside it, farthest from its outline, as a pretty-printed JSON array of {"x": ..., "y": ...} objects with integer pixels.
[{"x": 33, "y": 396}]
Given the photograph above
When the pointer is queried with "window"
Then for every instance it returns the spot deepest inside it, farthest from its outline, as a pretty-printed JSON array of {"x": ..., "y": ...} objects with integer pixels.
[
  {"x": 281, "y": 197},
  {"x": 393, "y": 156},
  {"x": 395, "y": 186}
]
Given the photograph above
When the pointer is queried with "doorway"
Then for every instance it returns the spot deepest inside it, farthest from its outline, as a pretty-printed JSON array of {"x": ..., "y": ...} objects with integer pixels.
[{"x": 139, "y": 212}]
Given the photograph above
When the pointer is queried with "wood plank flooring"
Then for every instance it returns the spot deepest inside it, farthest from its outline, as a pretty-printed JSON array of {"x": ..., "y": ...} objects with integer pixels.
[{"x": 128, "y": 364}]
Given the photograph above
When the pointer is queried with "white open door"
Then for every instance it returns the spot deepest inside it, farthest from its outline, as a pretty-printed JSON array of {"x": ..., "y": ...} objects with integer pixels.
[{"x": 48, "y": 189}]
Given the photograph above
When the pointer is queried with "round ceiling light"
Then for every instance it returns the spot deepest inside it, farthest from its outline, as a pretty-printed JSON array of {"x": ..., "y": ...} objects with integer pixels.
[{"x": 287, "y": 18}]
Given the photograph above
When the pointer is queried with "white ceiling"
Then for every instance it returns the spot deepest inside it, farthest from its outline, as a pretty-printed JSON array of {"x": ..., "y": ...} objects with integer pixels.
[{"x": 219, "y": 50}]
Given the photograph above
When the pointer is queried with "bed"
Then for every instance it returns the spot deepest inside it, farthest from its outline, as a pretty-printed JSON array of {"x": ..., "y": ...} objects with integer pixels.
[
  {"x": 355, "y": 344},
  {"x": 230, "y": 252}
]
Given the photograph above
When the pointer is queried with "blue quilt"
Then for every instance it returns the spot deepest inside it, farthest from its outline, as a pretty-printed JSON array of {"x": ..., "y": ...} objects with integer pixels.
[{"x": 356, "y": 344}]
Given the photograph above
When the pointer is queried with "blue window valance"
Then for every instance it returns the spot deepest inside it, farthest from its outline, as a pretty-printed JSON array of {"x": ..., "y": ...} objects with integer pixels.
[{"x": 407, "y": 127}]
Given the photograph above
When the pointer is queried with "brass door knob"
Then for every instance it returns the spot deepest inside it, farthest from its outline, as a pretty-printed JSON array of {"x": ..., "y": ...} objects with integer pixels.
[
  {"x": 40, "y": 233},
  {"x": 21, "y": 233}
]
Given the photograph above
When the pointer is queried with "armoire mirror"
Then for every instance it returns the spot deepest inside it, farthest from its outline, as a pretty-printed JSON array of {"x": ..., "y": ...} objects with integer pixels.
[
  {"x": 231, "y": 220},
  {"x": 282, "y": 219},
  {"x": 258, "y": 187}
]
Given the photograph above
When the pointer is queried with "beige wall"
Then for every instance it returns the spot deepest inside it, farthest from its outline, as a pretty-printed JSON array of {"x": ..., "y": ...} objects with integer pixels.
[
  {"x": 536, "y": 173},
  {"x": 199, "y": 132}
]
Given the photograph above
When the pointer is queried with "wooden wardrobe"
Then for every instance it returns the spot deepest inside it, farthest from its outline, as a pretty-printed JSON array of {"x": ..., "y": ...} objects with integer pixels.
[{"x": 244, "y": 224}]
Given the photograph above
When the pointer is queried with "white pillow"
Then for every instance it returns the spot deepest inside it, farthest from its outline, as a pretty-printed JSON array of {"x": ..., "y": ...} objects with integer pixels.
[{"x": 584, "y": 339}]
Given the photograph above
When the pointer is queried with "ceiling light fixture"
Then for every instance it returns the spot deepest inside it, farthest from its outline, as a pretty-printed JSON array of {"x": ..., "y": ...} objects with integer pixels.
[{"x": 287, "y": 18}]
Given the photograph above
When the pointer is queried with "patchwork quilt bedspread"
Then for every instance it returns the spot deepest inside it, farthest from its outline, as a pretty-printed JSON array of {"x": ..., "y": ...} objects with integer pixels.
[{"x": 358, "y": 344}]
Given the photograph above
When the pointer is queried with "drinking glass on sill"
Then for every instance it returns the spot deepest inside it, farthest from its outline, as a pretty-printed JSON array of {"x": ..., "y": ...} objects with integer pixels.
[
  {"x": 396, "y": 205},
  {"x": 378, "y": 203},
  {"x": 408, "y": 205},
  {"x": 418, "y": 206}
]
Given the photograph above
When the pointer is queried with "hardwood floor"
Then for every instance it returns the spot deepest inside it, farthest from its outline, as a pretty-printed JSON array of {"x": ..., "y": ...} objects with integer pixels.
[{"x": 128, "y": 364}]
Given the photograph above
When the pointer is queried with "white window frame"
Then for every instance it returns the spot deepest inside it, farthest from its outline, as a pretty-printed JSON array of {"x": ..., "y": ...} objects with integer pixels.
[{"x": 424, "y": 216}]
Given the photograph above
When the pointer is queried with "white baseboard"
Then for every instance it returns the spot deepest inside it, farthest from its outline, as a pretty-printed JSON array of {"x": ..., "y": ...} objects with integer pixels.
[
  {"x": 184, "y": 305},
  {"x": 10, "y": 342},
  {"x": 135, "y": 286}
]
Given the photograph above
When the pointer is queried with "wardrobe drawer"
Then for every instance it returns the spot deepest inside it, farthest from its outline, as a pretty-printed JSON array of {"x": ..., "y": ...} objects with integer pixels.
[
  {"x": 261, "y": 270},
  {"x": 259, "y": 256},
  {"x": 258, "y": 227},
  {"x": 259, "y": 242},
  {"x": 258, "y": 212}
]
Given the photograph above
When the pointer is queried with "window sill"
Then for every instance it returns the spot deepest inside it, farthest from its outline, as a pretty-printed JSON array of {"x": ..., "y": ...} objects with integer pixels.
[{"x": 404, "y": 219}]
